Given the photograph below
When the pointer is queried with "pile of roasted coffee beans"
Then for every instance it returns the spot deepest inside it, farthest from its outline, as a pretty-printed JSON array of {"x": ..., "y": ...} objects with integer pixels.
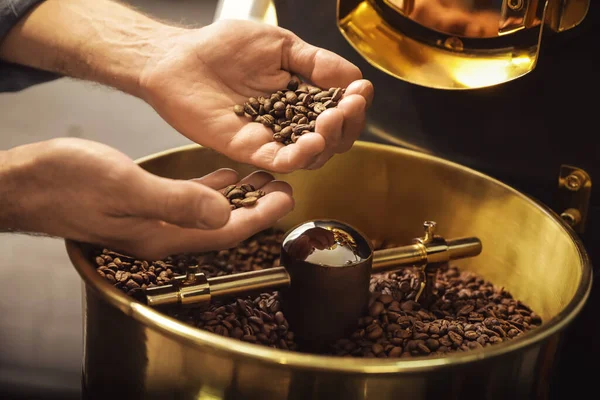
[
  {"x": 468, "y": 313},
  {"x": 242, "y": 196},
  {"x": 290, "y": 112}
]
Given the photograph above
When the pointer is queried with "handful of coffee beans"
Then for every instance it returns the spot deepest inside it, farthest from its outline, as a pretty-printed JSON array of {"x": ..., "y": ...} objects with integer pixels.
[
  {"x": 290, "y": 112},
  {"x": 242, "y": 196}
]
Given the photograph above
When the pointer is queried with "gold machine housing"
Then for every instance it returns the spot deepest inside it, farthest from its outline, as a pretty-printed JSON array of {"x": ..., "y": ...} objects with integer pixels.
[{"x": 454, "y": 44}]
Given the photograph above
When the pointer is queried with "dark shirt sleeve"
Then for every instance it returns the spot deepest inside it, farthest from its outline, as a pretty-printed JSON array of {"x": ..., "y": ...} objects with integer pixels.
[{"x": 16, "y": 77}]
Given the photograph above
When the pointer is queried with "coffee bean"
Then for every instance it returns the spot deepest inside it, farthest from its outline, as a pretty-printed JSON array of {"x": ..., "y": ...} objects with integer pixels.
[
  {"x": 319, "y": 108},
  {"x": 248, "y": 109},
  {"x": 376, "y": 309},
  {"x": 239, "y": 110},
  {"x": 254, "y": 103},
  {"x": 374, "y": 331},
  {"x": 268, "y": 120},
  {"x": 228, "y": 189},
  {"x": 395, "y": 352},
  {"x": 279, "y": 106},
  {"x": 249, "y": 201},
  {"x": 289, "y": 114},
  {"x": 235, "y": 193},
  {"x": 320, "y": 95}
]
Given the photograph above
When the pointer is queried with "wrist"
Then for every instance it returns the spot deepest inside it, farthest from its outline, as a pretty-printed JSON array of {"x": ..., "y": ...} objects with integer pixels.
[{"x": 121, "y": 58}]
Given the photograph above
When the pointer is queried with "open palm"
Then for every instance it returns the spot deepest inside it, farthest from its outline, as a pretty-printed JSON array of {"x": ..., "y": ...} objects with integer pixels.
[{"x": 203, "y": 73}]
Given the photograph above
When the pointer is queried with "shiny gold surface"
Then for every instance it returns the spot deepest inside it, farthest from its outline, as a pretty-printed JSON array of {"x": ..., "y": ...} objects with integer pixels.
[
  {"x": 265, "y": 280},
  {"x": 567, "y": 14},
  {"x": 476, "y": 19},
  {"x": 131, "y": 348},
  {"x": 442, "y": 53},
  {"x": 424, "y": 253},
  {"x": 447, "y": 65}
]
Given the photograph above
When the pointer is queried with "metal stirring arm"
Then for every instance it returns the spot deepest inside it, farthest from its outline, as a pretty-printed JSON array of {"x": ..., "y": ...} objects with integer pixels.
[{"x": 429, "y": 253}]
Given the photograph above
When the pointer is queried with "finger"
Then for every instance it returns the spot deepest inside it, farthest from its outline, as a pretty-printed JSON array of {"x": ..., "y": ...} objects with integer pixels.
[
  {"x": 244, "y": 222},
  {"x": 218, "y": 179},
  {"x": 258, "y": 179},
  {"x": 321, "y": 160},
  {"x": 179, "y": 202},
  {"x": 354, "y": 109},
  {"x": 346, "y": 128},
  {"x": 254, "y": 144},
  {"x": 362, "y": 88},
  {"x": 322, "y": 67},
  {"x": 295, "y": 156},
  {"x": 329, "y": 124}
]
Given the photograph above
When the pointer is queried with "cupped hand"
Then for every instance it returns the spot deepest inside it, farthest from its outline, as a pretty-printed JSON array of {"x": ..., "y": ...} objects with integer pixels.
[
  {"x": 199, "y": 77},
  {"x": 90, "y": 192}
]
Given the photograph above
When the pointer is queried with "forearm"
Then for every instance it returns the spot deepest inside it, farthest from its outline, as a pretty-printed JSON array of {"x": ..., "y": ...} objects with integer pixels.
[
  {"x": 99, "y": 40},
  {"x": 9, "y": 198}
]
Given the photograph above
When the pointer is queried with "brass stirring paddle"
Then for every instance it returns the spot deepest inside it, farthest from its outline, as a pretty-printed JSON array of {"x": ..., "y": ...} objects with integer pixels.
[{"x": 324, "y": 277}]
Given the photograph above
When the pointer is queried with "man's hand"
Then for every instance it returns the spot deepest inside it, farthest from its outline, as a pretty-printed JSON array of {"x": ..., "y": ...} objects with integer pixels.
[
  {"x": 89, "y": 192},
  {"x": 205, "y": 72},
  {"x": 194, "y": 77}
]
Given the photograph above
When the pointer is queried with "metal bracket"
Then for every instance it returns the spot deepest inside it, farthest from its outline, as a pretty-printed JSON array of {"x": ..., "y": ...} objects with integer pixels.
[{"x": 575, "y": 188}]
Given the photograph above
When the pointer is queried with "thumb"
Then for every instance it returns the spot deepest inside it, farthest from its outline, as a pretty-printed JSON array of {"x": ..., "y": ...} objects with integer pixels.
[{"x": 184, "y": 203}]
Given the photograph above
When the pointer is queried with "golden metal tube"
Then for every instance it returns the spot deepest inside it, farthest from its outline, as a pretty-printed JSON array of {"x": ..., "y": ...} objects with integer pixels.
[
  {"x": 464, "y": 247},
  {"x": 240, "y": 284},
  {"x": 417, "y": 254},
  {"x": 389, "y": 259}
]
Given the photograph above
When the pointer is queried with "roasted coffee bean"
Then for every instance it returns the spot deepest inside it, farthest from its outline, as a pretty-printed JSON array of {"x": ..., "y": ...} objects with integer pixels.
[
  {"x": 268, "y": 120},
  {"x": 254, "y": 103},
  {"x": 249, "y": 201},
  {"x": 289, "y": 114},
  {"x": 279, "y": 106},
  {"x": 235, "y": 193},
  {"x": 255, "y": 193},
  {"x": 319, "y": 108},
  {"x": 239, "y": 110},
  {"x": 293, "y": 84},
  {"x": 248, "y": 109}
]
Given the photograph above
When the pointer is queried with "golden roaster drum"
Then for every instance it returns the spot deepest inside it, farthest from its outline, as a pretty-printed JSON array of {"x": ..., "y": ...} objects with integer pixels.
[{"x": 132, "y": 351}]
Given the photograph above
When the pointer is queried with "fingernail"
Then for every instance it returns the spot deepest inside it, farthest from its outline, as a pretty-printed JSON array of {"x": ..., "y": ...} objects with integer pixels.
[{"x": 214, "y": 212}]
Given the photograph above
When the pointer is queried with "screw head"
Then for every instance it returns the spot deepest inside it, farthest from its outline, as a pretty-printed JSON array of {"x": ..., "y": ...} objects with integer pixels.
[
  {"x": 571, "y": 216},
  {"x": 515, "y": 5},
  {"x": 573, "y": 182}
]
